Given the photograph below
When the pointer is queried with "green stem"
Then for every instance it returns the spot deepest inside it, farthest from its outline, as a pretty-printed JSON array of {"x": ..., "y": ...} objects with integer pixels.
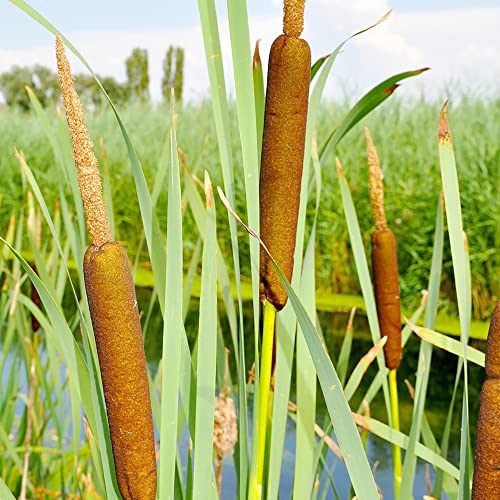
[
  {"x": 396, "y": 450},
  {"x": 264, "y": 389}
]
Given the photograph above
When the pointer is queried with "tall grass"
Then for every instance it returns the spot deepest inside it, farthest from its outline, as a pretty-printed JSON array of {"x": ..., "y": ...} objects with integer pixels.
[
  {"x": 50, "y": 379},
  {"x": 404, "y": 134}
]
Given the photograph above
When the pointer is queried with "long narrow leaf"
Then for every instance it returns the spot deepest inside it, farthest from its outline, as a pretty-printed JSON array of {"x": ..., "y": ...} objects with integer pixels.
[
  {"x": 365, "y": 105},
  {"x": 461, "y": 272},
  {"x": 206, "y": 365},
  {"x": 425, "y": 356},
  {"x": 173, "y": 331}
]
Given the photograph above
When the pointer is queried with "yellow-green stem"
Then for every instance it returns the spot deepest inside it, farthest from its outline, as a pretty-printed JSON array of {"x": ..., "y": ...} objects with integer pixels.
[
  {"x": 396, "y": 450},
  {"x": 263, "y": 404}
]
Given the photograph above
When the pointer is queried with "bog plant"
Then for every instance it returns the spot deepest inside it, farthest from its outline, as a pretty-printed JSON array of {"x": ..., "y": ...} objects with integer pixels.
[
  {"x": 190, "y": 393},
  {"x": 115, "y": 316},
  {"x": 386, "y": 288}
]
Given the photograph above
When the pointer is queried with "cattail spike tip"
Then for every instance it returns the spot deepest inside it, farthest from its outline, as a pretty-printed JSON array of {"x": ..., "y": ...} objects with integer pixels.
[
  {"x": 89, "y": 181},
  {"x": 375, "y": 184},
  {"x": 293, "y": 17}
]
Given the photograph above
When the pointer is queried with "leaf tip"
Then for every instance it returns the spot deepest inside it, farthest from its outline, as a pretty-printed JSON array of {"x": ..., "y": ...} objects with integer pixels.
[
  {"x": 256, "y": 55},
  {"x": 209, "y": 195},
  {"x": 390, "y": 90},
  {"x": 384, "y": 17},
  {"x": 339, "y": 167},
  {"x": 444, "y": 134}
]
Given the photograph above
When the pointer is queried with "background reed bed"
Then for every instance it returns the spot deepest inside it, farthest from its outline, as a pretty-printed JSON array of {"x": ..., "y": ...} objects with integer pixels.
[
  {"x": 397, "y": 128},
  {"x": 51, "y": 381}
]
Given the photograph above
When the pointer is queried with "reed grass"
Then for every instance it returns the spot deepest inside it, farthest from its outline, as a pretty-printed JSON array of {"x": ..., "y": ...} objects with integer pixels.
[
  {"x": 184, "y": 385},
  {"x": 396, "y": 129}
]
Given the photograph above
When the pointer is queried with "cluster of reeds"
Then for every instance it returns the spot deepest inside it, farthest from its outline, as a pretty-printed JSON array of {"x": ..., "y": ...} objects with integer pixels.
[{"x": 183, "y": 400}]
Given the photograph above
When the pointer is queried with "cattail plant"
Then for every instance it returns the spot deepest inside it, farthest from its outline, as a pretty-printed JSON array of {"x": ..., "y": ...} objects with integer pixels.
[
  {"x": 385, "y": 282},
  {"x": 283, "y": 142},
  {"x": 486, "y": 482},
  {"x": 115, "y": 317},
  {"x": 385, "y": 264}
]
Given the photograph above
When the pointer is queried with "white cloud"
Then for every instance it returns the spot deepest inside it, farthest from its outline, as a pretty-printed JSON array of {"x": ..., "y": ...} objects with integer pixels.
[{"x": 459, "y": 45}]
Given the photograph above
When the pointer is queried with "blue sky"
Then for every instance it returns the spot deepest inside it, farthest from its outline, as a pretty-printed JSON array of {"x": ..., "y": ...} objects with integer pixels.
[
  {"x": 106, "y": 30},
  {"x": 18, "y": 31}
]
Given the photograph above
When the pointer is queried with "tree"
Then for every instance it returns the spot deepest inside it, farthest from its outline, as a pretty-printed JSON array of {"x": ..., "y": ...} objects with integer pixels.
[
  {"x": 91, "y": 94},
  {"x": 46, "y": 85},
  {"x": 41, "y": 80},
  {"x": 118, "y": 92},
  {"x": 87, "y": 89},
  {"x": 13, "y": 87},
  {"x": 173, "y": 78},
  {"x": 137, "y": 74},
  {"x": 179, "y": 74},
  {"x": 166, "y": 82}
]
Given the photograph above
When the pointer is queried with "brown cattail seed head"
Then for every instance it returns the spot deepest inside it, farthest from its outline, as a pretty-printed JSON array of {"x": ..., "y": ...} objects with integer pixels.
[
  {"x": 493, "y": 345},
  {"x": 385, "y": 280},
  {"x": 385, "y": 264},
  {"x": 282, "y": 159},
  {"x": 117, "y": 329},
  {"x": 89, "y": 180},
  {"x": 486, "y": 482},
  {"x": 225, "y": 425},
  {"x": 293, "y": 17}
]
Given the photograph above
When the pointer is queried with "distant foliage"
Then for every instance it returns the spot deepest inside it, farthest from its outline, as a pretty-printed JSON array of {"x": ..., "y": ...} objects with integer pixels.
[
  {"x": 44, "y": 82},
  {"x": 137, "y": 74},
  {"x": 41, "y": 80},
  {"x": 173, "y": 73},
  {"x": 90, "y": 92}
]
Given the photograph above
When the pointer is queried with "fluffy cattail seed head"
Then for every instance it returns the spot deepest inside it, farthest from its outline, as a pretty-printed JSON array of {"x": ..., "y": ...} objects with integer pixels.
[
  {"x": 225, "y": 425},
  {"x": 89, "y": 181},
  {"x": 293, "y": 17}
]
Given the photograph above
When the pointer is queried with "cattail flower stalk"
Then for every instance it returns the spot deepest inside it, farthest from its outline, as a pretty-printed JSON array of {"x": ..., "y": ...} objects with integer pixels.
[
  {"x": 283, "y": 143},
  {"x": 115, "y": 316},
  {"x": 385, "y": 264},
  {"x": 486, "y": 481},
  {"x": 386, "y": 285}
]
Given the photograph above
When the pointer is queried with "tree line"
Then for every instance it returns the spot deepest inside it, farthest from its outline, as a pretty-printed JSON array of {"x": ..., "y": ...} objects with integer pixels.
[{"x": 44, "y": 82}]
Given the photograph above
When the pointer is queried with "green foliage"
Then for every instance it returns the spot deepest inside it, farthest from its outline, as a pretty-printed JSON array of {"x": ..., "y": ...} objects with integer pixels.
[
  {"x": 43, "y": 81},
  {"x": 173, "y": 73},
  {"x": 137, "y": 74},
  {"x": 58, "y": 369},
  {"x": 91, "y": 94},
  {"x": 405, "y": 140}
]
